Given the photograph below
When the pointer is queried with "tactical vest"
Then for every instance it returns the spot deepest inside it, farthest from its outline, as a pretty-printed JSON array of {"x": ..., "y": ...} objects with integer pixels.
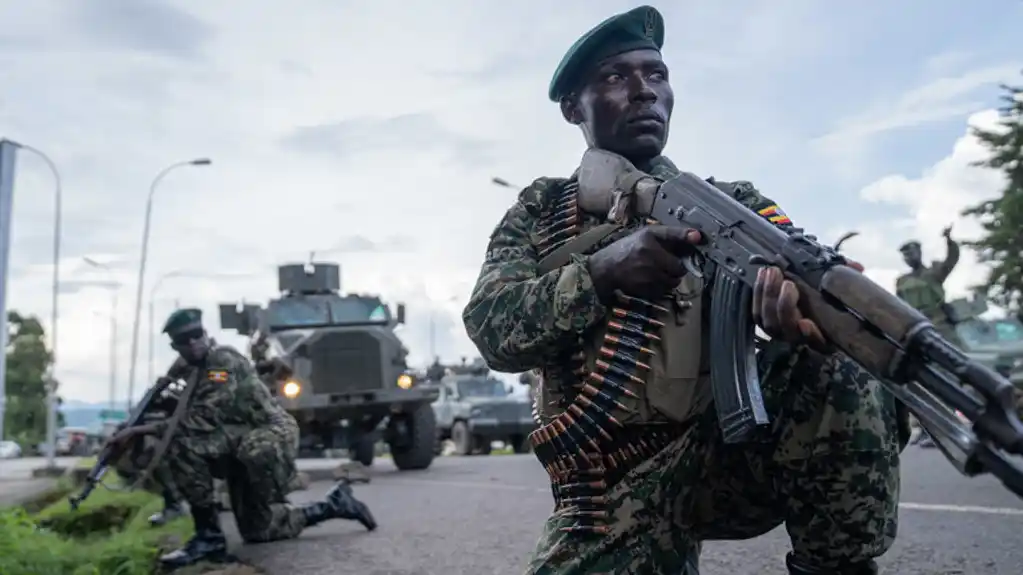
[
  {"x": 924, "y": 292},
  {"x": 631, "y": 386}
]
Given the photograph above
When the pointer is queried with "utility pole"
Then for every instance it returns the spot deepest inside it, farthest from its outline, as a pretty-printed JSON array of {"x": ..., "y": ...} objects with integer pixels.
[{"x": 8, "y": 154}]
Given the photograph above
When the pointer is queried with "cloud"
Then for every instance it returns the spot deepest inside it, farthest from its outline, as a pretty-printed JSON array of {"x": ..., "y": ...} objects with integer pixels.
[
  {"x": 921, "y": 206},
  {"x": 938, "y": 99},
  {"x": 404, "y": 134},
  {"x": 151, "y": 26},
  {"x": 368, "y": 133}
]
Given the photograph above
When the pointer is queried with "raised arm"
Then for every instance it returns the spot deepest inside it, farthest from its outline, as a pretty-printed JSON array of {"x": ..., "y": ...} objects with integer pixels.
[
  {"x": 518, "y": 319},
  {"x": 943, "y": 269}
]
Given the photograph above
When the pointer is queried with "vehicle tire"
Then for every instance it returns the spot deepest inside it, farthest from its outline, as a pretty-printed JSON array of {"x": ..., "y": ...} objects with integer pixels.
[
  {"x": 520, "y": 444},
  {"x": 417, "y": 452},
  {"x": 462, "y": 438},
  {"x": 363, "y": 449}
]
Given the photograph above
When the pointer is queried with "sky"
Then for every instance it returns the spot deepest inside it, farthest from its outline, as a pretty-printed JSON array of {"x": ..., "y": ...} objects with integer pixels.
[{"x": 370, "y": 132}]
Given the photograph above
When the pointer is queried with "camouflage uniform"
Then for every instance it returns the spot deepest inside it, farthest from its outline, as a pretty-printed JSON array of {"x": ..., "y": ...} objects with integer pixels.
[
  {"x": 232, "y": 430},
  {"x": 923, "y": 288},
  {"x": 827, "y": 466}
]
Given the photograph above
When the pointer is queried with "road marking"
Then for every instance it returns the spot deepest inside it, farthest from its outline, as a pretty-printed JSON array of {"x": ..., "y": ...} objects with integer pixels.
[
  {"x": 961, "y": 508},
  {"x": 936, "y": 507}
]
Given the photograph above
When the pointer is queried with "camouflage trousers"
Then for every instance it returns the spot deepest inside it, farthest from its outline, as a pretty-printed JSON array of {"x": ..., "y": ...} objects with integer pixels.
[
  {"x": 827, "y": 467},
  {"x": 258, "y": 467}
]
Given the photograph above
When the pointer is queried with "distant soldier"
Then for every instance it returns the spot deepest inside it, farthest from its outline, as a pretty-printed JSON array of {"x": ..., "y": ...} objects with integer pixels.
[
  {"x": 436, "y": 371},
  {"x": 923, "y": 287}
]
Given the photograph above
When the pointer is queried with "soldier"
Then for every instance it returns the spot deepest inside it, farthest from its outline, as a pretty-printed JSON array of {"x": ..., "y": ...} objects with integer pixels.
[
  {"x": 227, "y": 430},
  {"x": 923, "y": 287},
  {"x": 618, "y": 330}
]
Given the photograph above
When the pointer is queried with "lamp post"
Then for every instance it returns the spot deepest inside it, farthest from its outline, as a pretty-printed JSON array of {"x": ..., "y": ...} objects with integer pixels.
[
  {"x": 152, "y": 320},
  {"x": 114, "y": 289},
  {"x": 142, "y": 266},
  {"x": 51, "y": 380}
]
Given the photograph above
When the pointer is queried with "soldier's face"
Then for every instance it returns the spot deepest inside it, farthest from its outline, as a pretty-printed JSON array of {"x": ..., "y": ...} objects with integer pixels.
[
  {"x": 625, "y": 104},
  {"x": 912, "y": 256},
  {"x": 191, "y": 345}
]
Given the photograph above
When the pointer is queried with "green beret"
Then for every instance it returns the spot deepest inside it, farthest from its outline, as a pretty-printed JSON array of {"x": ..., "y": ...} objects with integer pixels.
[
  {"x": 638, "y": 29},
  {"x": 909, "y": 245},
  {"x": 183, "y": 320}
]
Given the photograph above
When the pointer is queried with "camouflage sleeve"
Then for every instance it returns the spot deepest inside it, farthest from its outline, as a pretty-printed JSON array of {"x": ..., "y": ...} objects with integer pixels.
[
  {"x": 518, "y": 319},
  {"x": 749, "y": 196}
]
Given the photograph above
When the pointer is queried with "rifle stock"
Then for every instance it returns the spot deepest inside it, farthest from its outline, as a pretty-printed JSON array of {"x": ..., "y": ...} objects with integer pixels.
[{"x": 888, "y": 338}]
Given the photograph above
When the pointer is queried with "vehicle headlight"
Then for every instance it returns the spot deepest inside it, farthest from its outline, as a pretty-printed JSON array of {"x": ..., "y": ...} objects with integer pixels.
[
  {"x": 1017, "y": 363},
  {"x": 475, "y": 412},
  {"x": 291, "y": 389},
  {"x": 405, "y": 381}
]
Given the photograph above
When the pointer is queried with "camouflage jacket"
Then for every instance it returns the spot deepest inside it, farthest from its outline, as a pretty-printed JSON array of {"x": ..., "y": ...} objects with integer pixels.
[
  {"x": 924, "y": 288},
  {"x": 520, "y": 320},
  {"x": 228, "y": 396}
]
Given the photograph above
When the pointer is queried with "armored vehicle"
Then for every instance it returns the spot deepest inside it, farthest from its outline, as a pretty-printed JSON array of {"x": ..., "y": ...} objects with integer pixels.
[
  {"x": 475, "y": 408},
  {"x": 346, "y": 381},
  {"x": 997, "y": 343}
]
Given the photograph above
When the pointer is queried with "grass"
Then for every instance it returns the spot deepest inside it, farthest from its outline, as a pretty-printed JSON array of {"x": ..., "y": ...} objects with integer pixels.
[{"x": 108, "y": 535}]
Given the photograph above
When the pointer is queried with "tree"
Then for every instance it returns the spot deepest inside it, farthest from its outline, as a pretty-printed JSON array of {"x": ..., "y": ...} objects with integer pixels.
[
  {"x": 28, "y": 361},
  {"x": 1001, "y": 244}
]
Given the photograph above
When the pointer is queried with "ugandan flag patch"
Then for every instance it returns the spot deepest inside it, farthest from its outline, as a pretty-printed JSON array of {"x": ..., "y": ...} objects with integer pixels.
[
  {"x": 774, "y": 215},
  {"x": 217, "y": 375}
]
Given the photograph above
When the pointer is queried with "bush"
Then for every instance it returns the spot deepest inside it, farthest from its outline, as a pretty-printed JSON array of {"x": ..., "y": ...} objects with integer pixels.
[{"x": 108, "y": 535}]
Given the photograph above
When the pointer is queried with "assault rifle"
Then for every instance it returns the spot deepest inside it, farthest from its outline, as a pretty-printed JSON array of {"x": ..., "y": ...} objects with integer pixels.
[
  {"x": 159, "y": 398},
  {"x": 888, "y": 338}
]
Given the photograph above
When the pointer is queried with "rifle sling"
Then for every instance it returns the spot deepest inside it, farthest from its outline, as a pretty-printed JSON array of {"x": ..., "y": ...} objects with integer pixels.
[
  {"x": 172, "y": 426},
  {"x": 577, "y": 245}
]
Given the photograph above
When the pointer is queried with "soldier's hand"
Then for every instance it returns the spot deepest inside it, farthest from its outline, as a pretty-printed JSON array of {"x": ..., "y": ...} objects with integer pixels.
[
  {"x": 646, "y": 263},
  {"x": 121, "y": 437},
  {"x": 776, "y": 309}
]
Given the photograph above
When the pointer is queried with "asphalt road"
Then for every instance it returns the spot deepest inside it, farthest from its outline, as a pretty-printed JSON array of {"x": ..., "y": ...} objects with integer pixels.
[
  {"x": 476, "y": 515},
  {"x": 17, "y": 483}
]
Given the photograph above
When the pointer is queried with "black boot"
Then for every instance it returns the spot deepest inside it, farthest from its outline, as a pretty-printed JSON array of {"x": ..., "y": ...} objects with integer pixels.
[
  {"x": 339, "y": 504},
  {"x": 172, "y": 509},
  {"x": 208, "y": 543},
  {"x": 797, "y": 567}
]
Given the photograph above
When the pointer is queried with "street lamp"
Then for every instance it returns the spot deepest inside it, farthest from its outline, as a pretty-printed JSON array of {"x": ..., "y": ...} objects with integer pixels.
[
  {"x": 51, "y": 380},
  {"x": 142, "y": 266},
  {"x": 114, "y": 289}
]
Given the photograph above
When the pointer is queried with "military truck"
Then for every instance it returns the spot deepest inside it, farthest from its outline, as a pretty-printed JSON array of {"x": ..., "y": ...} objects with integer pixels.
[
  {"x": 997, "y": 343},
  {"x": 475, "y": 409},
  {"x": 347, "y": 382}
]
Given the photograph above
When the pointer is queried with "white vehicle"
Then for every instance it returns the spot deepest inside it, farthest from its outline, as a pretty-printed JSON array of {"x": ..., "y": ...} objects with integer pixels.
[{"x": 9, "y": 450}]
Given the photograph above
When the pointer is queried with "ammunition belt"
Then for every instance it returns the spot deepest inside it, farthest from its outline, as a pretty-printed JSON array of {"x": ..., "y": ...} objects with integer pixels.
[
  {"x": 586, "y": 449},
  {"x": 561, "y": 221}
]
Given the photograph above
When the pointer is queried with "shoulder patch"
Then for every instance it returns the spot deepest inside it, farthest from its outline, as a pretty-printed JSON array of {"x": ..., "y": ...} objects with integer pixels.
[
  {"x": 217, "y": 375},
  {"x": 774, "y": 214}
]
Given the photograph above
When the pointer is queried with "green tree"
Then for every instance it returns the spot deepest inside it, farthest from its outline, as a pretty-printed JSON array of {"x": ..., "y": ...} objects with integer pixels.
[
  {"x": 1001, "y": 244},
  {"x": 28, "y": 360}
]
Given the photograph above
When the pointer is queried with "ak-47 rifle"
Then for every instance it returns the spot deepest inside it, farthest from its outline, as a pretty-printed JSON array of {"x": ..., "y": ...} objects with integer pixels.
[
  {"x": 891, "y": 340},
  {"x": 159, "y": 398}
]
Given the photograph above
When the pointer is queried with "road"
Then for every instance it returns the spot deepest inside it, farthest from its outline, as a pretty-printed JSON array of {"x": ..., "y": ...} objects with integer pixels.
[
  {"x": 17, "y": 483},
  {"x": 467, "y": 516}
]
